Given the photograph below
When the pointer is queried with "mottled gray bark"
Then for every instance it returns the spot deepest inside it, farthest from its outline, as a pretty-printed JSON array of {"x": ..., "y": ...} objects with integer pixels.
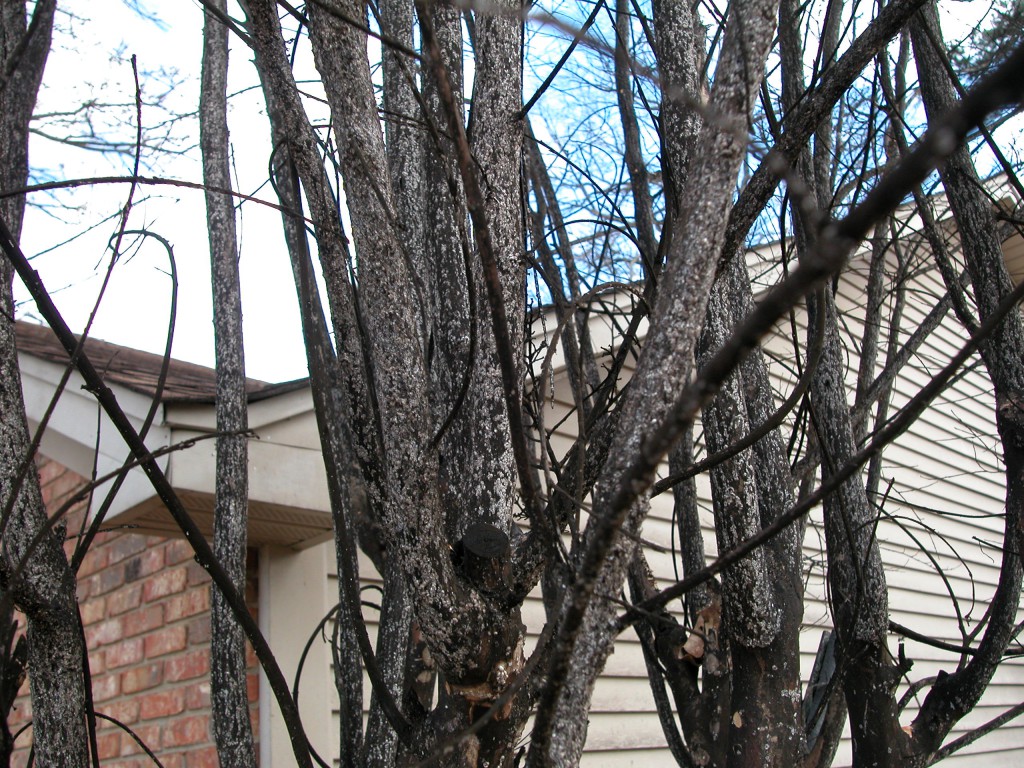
[
  {"x": 953, "y": 696},
  {"x": 639, "y": 181},
  {"x": 804, "y": 117},
  {"x": 824, "y": 137},
  {"x": 680, "y": 59},
  {"x": 232, "y": 727},
  {"x": 586, "y": 632},
  {"x": 762, "y": 598},
  {"x": 680, "y": 53},
  {"x": 407, "y": 141},
  {"x": 692, "y": 552},
  {"x": 406, "y": 133},
  {"x": 33, "y": 568},
  {"x": 496, "y": 139},
  {"x": 476, "y": 462},
  {"x": 450, "y": 608},
  {"x": 420, "y": 411},
  {"x": 856, "y": 577},
  {"x": 752, "y": 619},
  {"x": 412, "y": 512},
  {"x": 336, "y": 400},
  {"x": 566, "y": 290},
  {"x": 855, "y": 572},
  {"x": 870, "y": 346}
]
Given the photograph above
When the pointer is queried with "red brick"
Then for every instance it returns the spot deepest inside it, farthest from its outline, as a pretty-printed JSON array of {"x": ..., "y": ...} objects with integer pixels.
[
  {"x": 125, "y": 546},
  {"x": 109, "y": 745},
  {"x": 149, "y": 618},
  {"x": 124, "y": 600},
  {"x": 197, "y": 575},
  {"x": 75, "y": 519},
  {"x": 195, "y": 664},
  {"x": 199, "y": 630},
  {"x": 203, "y": 758},
  {"x": 148, "y": 735},
  {"x": 124, "y": 653},
  {"x": 162, "y": 704},
  {"x": 252, "y": 684},
  {"x": 142, "y": 678},
  {"x": 103, "y": 634},
  {"x": 164, "y": 584},
  {"x": 146, "y": 564},
  {"x": 105, "y": 687},
  {"x": 95, "y": 560},
  {"x": 178, "y": 551},
  {"x": 61, "y": 489},
  {"x": 48, "y": 469},
  {"x": 128, "y": 763},
  {"x": 188, "y": 604},
  {"x": 92, "y": 610},
  {"x": 22, "y": 711},
  {"x": 124, "y": 711},
  {"x": 185, "y": 731},
  {"x": 97, "y": 664},
  {"x": 85, "y": 587},
  {"x": 197, "y": 696},
  {"x": 166, "y": 641},
  {"x": 107, "y": 580}
]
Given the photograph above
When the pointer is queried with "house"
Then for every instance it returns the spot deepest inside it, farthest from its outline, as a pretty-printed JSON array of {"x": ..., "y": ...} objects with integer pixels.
[{"x": 145, "y": 603}]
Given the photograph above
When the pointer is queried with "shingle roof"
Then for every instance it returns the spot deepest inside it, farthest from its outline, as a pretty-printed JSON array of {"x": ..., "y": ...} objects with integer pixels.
[{"x": 140, "y": 371}]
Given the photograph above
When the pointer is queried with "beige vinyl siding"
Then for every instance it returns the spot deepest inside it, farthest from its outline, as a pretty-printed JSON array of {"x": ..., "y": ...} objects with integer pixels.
[{"x": 946, "y": 490}]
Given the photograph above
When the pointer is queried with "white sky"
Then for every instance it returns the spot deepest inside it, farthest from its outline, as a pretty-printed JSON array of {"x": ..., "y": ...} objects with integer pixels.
[
  {"x": 135, "y": 309},
  {"x": 90, "y": 59}
]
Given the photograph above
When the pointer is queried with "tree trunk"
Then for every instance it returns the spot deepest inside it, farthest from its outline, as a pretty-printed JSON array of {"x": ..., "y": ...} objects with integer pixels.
[
  {"x": 34, "y": 569},
  {"x": 586, "y": 630},
  {"x": 230, "y": 699},
  {"x": 954, "y": 695}
]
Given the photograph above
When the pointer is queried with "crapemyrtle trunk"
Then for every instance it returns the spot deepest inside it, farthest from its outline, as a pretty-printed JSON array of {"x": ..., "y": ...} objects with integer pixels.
[
  {"x": 587, "y": 626},
  {"x": 406, "y": 144},
  {"x": 954, "y": 695},
  {"x": 855, "y": 572},
  {"x": 336, "y": 382},
  {"x": 643, "y": 212},
  {"x": 761, "y": 599},
  {"x": 34, "y": 569},
  {"x": 231, "y": 723}
]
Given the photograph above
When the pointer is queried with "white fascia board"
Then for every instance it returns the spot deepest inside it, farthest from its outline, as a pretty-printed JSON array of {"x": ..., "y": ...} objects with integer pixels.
[
  {"x": 286, "y": 475},
  {"x": 78, "y": 433},
  {"x": 202, "y": 417}
]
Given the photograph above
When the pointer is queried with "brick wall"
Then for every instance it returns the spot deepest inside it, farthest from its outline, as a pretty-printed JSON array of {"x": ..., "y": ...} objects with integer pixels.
[{"x": 145, "y": 606}]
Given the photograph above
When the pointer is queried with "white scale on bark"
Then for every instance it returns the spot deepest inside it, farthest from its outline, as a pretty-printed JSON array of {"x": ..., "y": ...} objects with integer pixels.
[
  {"x": 232, "y": 726},
  {"x": 586, "y": 634},
  {"x": 45, "y": 585}
]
